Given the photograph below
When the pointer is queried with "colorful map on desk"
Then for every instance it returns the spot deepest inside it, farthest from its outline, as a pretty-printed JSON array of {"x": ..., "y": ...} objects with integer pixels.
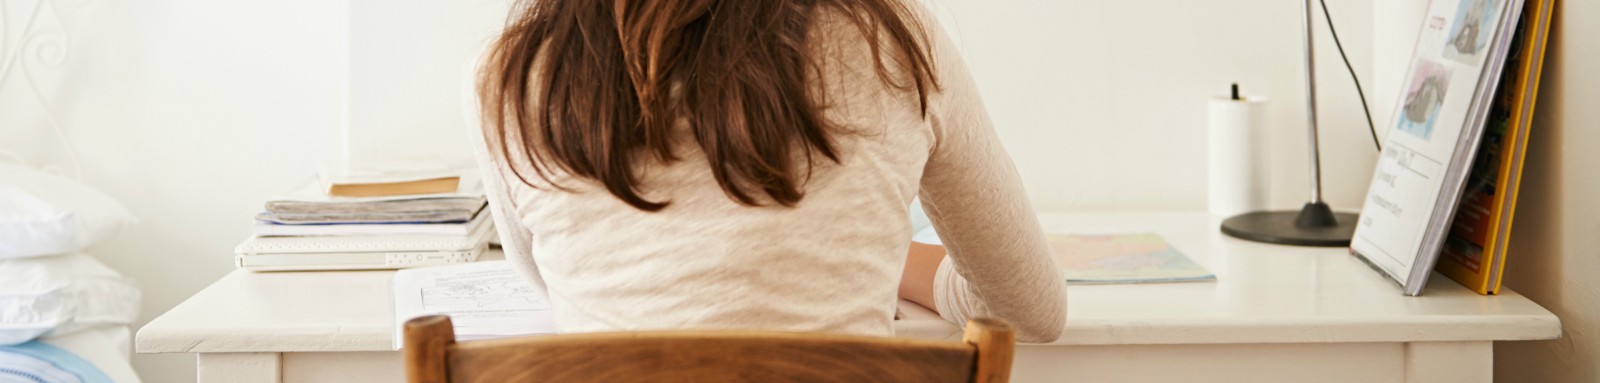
[{"x": 1123, "y": 258}]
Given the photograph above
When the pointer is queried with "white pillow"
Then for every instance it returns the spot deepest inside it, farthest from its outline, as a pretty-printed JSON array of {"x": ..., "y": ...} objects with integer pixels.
[
  {"x": 43, "y": 214},
  {"x": 61, "y": 294}
]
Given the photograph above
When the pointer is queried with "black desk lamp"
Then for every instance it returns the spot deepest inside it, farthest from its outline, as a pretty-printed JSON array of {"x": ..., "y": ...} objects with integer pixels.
[{"x": 1315, "y": 224}]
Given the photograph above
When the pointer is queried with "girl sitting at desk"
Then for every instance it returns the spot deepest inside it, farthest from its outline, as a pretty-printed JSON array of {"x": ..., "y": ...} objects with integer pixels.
[{"x": 721, "y": 164}]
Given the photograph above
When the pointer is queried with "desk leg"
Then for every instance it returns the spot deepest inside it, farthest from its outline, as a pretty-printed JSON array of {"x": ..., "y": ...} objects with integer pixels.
[
  {"x": 1449, "y": 362},
  {"x": 240, "y": 367}
]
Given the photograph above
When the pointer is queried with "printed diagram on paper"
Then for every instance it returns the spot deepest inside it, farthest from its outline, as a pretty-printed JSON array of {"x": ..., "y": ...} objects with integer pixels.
[
  {"x": 491, "y": 292},
  {"x": 483, "y": 299}
]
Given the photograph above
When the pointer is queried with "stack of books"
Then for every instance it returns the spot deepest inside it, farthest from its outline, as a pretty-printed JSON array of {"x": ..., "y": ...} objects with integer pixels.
[
  {"x": 1475, "y": 250},
  {"x": 1444, "y": 190},
  {"x": 321, "y": 226}
]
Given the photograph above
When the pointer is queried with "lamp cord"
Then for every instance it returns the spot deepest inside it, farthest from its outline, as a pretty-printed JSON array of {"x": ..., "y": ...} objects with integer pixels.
[{"x": 1366, "y": 110}]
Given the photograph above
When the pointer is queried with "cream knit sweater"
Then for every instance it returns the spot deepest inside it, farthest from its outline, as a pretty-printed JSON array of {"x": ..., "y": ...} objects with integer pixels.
[{"x": 833, "y": 262}]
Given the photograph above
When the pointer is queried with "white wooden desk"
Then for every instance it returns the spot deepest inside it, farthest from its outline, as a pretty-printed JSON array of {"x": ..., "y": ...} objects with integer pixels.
[{"x": 1275, "y": 314}]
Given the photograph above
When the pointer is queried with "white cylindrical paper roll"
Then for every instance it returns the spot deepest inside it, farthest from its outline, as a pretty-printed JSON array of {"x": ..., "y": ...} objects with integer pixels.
[{"x": 1237, "y": 160}]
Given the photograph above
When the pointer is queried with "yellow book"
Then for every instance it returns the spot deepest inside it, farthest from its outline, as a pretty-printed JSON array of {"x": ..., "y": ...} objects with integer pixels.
[
  {"x": 394, "y": 188},
  {"x": 391, "y": 178},
  {"x": 1475, "y": 250}
]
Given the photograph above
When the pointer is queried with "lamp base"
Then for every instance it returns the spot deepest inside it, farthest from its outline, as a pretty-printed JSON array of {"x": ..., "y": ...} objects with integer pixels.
[{"x": 1314, "y": 225}]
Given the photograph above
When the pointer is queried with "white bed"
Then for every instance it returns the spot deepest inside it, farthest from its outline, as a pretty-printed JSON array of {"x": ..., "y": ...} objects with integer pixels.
[
  {"x": 89, "y": 349},
  {"x": 36, "y": 40},
  {"x": 106, "y": 348}
]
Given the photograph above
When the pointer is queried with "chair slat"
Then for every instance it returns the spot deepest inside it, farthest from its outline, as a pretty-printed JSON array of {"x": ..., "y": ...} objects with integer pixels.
[
  {"x": 705, "y": 356},
  {"x": 712, "y": 356}
]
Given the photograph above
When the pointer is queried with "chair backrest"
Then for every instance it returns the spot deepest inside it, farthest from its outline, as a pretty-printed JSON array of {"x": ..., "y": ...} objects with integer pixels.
[{"x": 433, "y": 356}]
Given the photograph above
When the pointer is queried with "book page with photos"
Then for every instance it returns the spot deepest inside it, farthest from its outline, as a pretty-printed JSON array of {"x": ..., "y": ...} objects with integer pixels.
[{"x": 1436, "y": 104}]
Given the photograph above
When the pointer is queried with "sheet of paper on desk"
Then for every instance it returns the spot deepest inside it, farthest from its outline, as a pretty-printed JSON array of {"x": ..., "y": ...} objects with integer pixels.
[
  {"x": 1123, "y": 258},
  {"x": 483, "y": 299}
]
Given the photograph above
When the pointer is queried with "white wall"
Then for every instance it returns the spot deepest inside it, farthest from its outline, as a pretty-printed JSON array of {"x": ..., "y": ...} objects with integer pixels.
[
  {"x": 193, "y": 112},
  {"x": 1102, "y": 103},
  {"x": 407, "y": 60}
]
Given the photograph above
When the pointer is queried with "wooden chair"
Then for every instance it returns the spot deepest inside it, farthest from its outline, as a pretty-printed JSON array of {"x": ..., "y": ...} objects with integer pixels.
[{"x": 433, "y": 356}]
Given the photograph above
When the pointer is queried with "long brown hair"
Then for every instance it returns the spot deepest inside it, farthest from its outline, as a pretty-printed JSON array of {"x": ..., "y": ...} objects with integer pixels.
[{"x": 590, "y": 87}]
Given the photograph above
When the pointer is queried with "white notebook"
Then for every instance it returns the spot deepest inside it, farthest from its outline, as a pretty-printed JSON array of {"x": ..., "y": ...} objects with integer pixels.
[{"x": 364, "y": 252}]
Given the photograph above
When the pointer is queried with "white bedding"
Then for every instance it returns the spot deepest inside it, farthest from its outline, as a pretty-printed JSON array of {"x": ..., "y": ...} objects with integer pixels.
[
  {"x": 107, "y": 348},
  {"x": 103, "y": 342}
]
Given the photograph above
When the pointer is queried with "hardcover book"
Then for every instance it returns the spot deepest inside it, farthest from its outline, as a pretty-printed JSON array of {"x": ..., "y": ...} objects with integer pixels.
[
  {"x": 1438, "y": 126},
  {"x": 1474, "y": 253}
]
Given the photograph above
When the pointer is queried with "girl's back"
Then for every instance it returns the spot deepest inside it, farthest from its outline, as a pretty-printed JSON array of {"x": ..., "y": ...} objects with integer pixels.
[{"x": 830, "y": 260}]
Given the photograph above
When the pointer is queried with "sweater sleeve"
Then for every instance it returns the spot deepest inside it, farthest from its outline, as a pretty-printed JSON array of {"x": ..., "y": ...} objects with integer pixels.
[{"x": 999, "y": 263}]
